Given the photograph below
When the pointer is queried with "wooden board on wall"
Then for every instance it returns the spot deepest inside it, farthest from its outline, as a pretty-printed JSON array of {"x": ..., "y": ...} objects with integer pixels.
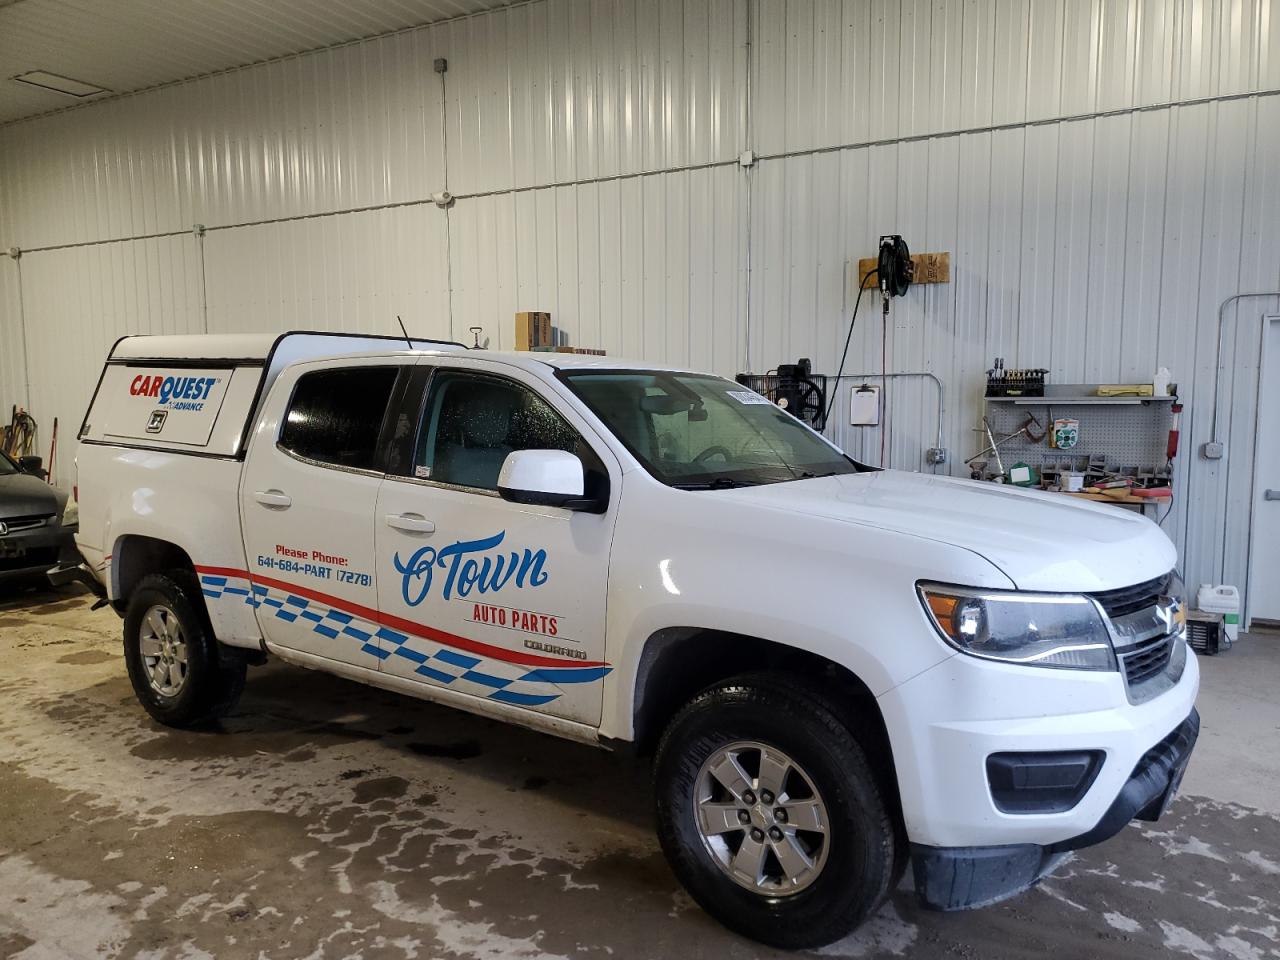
[{"x": 930, "y": 267}]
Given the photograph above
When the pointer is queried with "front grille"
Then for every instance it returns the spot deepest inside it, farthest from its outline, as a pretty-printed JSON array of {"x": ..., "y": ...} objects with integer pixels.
[
  {"x": 15, "y": 524},
  {"x": 1147, "y": 659},
  {"x": 1131, "y": 599}
]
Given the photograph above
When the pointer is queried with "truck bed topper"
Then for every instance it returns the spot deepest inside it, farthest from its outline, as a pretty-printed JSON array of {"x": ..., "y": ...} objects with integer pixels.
[{"x": 199, "y": 394}]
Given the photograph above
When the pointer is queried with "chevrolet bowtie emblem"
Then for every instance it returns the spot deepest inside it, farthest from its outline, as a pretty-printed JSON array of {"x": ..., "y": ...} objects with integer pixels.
[{"x": 1170, "y": 612}]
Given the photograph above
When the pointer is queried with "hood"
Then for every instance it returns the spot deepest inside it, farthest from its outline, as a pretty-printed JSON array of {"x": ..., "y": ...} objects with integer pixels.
[
  {"x": 22, "y": 495},
  {"x": 1041, "y": 541}
]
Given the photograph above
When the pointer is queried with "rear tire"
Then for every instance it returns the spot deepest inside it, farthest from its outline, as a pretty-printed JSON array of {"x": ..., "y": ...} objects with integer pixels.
[
  {"x": 789, "y": 904},
  {"x": 172, "y": 655}
]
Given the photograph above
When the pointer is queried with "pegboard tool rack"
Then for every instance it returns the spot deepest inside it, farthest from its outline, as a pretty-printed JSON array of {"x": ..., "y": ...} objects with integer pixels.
[{"x": 1127, "y": 434}]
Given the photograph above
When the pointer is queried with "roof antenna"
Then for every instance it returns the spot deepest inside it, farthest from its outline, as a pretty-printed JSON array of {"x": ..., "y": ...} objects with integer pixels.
[{"x": 404, "y": 331}]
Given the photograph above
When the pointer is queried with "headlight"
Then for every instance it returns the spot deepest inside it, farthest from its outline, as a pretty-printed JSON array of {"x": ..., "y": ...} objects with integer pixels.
[
  {"x": 70, "y": 512},
  {"x": 1036, "y": 629}
]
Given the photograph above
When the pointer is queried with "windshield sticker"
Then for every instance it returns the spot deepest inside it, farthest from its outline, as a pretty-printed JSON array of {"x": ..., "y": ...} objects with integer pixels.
[{"x": 748, "y": 397}]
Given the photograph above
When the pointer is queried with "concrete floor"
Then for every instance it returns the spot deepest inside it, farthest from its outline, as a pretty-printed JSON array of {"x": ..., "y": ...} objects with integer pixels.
[{"x": 325, "y": 819}]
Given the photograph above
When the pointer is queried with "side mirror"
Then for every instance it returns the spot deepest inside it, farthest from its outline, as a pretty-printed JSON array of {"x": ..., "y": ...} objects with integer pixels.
[
  {"x": 33, "y": 466},
  {"x": 548, "y": 478}
]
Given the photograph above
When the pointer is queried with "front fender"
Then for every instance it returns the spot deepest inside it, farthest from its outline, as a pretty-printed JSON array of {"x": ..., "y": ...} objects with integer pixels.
[{"x": 844, "y": 592}]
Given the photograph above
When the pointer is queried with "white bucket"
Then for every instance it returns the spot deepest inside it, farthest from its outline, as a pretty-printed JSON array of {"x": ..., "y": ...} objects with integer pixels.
[{"x": 1225, "y": 600}]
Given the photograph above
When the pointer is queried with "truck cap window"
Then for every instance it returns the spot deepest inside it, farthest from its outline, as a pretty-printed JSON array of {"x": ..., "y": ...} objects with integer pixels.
[
  {"x": 696, "y": 431},
  {"x": 335, "y": 416},
  {"x": 472, "y": 422}
]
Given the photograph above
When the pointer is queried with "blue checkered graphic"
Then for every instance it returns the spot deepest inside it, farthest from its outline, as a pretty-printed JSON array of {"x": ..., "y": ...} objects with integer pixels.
[{"x": 488, "y": 677}]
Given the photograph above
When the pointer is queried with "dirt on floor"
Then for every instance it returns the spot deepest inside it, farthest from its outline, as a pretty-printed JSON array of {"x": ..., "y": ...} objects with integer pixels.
[{"x": 327, "y": 819}]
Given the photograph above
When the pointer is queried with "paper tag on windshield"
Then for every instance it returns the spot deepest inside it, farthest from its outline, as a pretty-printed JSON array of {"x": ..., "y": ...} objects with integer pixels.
[{"x": 748, "y": 396}]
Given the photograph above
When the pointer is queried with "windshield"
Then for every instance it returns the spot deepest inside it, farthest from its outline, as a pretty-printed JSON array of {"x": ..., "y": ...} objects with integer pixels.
[
  {"x": 7, "y": 466},
  {"x": 698, "y": 432}
]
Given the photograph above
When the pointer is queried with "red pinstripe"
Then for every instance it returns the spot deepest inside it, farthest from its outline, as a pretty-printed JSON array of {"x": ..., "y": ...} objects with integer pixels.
[{"x": 405, "y": 626}]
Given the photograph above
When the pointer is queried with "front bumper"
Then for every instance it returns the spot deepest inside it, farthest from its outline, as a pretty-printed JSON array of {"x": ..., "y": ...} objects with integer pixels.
[
  {"x": 959, "y": 878},
  {"x": 945, "y": 724},
  {"x": 28, "y": 553}
]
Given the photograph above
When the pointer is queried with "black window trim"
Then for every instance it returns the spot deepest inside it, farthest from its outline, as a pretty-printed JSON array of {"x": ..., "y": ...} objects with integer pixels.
[
  {"x": 380, "y": 444},
  {"x": 437, "y": 369}
]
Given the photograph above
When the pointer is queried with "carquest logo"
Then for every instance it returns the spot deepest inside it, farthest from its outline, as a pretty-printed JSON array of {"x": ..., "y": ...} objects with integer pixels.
[
  {"x": 172, "y": 388},
  {"x": 188, "y": 393}
]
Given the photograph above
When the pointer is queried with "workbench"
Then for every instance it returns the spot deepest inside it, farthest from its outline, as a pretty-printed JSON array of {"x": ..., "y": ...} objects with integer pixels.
[{"x": 1128, "y": 500}]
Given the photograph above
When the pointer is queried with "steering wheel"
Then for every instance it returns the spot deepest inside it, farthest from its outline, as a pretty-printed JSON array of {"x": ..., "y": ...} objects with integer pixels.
[{"x": 712, "y": 451}]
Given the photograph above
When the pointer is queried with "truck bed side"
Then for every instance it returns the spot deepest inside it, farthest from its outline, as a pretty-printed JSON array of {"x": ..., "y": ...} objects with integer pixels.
[{"x": 139, "y": 498}]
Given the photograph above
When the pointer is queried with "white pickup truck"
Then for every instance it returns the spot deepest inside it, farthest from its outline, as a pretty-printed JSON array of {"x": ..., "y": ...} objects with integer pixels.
[{"x": 841, "y": 670}]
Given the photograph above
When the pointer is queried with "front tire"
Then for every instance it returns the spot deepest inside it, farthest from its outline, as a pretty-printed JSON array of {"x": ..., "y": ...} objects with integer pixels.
[
  {"x": 771, "y": 816},
  {"x": 173, "y": 657}
]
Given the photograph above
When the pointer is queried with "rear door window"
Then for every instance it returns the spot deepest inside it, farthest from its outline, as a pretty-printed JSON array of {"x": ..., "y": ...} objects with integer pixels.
[{"x": 335, "y": 416}]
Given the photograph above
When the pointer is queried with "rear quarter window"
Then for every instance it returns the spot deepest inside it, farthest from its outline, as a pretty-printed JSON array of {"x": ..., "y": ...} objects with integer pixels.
[{"x": 335, "y": 416}]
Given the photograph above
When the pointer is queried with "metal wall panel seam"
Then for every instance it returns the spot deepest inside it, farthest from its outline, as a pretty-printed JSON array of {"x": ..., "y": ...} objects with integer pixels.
[
  {"x": 444, "y": 161},
  {"x": 22, "y": 329},
  {"x": 391, "y": 205},
  {"x": 204, "y": 286},
  {"x": 1232, "y": 558},
  {"x": 753, "y": 8},
  {"x": 1018, "y": 125},
  {"x": 101, "y": 243}
]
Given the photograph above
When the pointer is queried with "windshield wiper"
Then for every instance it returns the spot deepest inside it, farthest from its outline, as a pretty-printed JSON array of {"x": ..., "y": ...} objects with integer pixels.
[{"x": 719, "y": 483}]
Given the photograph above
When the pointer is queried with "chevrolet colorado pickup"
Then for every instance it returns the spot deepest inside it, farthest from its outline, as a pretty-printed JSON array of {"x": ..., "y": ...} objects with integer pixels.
[{"x": 841, "y": 672}]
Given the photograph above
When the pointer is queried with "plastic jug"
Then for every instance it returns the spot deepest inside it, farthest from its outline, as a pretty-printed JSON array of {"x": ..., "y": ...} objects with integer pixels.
[
  {"x": 1160, "y": 383},
  {"x": 1225, "y": 600}
]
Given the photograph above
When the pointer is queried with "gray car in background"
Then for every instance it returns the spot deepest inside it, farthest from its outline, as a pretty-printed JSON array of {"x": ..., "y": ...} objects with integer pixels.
[{"x": 35, "y": 532}]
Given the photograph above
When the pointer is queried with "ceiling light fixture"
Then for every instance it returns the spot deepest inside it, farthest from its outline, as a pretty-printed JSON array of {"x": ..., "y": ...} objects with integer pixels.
[{"x": 59, "y": 84}]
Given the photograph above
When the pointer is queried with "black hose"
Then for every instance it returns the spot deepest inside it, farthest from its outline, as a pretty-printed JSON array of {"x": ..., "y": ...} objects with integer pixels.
[{"x": 862, "y": 287}]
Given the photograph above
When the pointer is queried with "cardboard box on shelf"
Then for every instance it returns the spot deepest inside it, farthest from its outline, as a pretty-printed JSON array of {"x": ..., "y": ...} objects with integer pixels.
[{"x": 533, "y": 329}]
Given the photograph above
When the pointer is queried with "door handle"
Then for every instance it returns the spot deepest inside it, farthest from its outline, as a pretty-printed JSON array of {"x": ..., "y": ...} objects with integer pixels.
[
  {"x": 1271, "y": 495},
  {"x": 410, "y": 523},
  {"x": 273, "y": 498}
]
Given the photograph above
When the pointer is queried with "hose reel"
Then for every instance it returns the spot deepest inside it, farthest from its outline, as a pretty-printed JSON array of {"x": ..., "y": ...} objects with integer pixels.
[
  {"x": 894, "y": 272},
  {"x": 894, "y": 267}
]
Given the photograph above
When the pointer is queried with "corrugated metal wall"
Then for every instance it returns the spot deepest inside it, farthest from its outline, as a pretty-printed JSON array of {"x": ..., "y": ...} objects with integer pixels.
[{"x": 1102, "y": 172}]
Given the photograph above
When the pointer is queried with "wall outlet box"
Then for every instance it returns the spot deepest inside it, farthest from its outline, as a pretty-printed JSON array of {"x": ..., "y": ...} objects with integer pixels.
[
  {"x": 1213, "y": 450},
  {"x": 935, "y": 456}
]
